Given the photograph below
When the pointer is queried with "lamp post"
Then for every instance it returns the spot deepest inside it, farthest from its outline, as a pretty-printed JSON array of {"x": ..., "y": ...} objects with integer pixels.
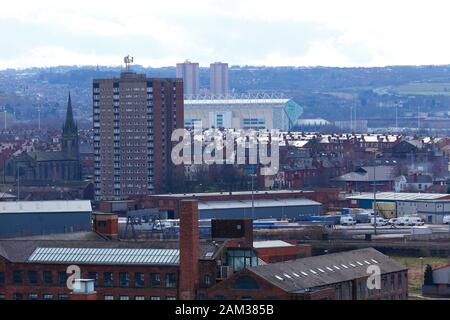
[
  {"x": 421, "y": 269},
  {"x": 18, "y": 183},
  {"x": 374, "y": 201},
  {"x": 376, "y": 155},
  {"x": 253, "y": 195}
]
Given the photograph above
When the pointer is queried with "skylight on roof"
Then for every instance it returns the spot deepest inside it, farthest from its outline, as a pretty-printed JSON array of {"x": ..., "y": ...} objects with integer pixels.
[
  {"x": 209, "y": 254},
  {"x": 353, "y": 265},
  {"x": 321, "y": 270},
  {"x": 359, "y": 263},
  {"x": 367, "y": 262},
  {"x": 337, "y": 268},
  {"x": 296, "y": 274},
  {"x": 287, "y": 276},
  {"x": 328, "y": 268},
  {"x": 304, "y": 273},
  {"x": 279, "y": 278},
  {"x": 344, "y": 266},
  {"x": 375, "y": 261},
  {"x": 312, "y": 271}
]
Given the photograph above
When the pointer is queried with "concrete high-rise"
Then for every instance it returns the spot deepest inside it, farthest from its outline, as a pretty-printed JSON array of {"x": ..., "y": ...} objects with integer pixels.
[
  {"x": 218, "y": 75},
  {"x": 189, "y": 72},
  {"x": 134, "y": 117}
]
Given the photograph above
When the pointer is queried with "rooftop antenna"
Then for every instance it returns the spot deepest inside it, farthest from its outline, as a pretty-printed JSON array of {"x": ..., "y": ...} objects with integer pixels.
[{"x": 128, "y": 60}]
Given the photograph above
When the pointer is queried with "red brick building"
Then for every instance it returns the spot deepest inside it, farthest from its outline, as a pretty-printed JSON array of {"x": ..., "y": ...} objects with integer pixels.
[
  {"x": 337, "y": 276},
  {"x": 37, "y": 269},
  {"x": 277, "y": 250},
  {"x": 134, "y": 117}
]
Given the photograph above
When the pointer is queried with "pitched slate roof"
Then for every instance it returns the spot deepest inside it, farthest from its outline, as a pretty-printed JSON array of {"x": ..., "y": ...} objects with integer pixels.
[
  {"x": 366, "y": 174},
  {"x": 320, "y": 271}
]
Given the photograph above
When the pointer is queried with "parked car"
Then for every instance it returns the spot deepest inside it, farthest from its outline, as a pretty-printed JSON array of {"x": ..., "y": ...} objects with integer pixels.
[
  {"x": 380, "y": 221},
  {"x": 446, "y": 220},
  {"x": 347, "y": 221}
]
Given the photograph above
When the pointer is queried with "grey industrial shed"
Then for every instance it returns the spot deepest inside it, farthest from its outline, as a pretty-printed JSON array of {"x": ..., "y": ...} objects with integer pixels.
[
  {"x": 30, "y": 218},
  {"x": 264, "y": 209}
]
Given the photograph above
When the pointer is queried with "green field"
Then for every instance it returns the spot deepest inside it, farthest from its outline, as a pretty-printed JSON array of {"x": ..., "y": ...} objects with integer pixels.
[
  {"x": 423, "y": 89},
  {"x": 414, "y": 273}
]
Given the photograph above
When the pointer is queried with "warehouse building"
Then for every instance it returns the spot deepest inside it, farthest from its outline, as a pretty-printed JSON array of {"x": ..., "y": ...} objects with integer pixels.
[
  {"x": 136, "y": 270},
  {"x": 126, "y": 270},
  {"x": 337, "y": 276},
  {"x": 29, "y": 218},
  {"x": 169, "y": 203},
  {"x": 432, "y": 206},
  {"x": 291, "y": 209},
  {"x": 433, "y": 211}
]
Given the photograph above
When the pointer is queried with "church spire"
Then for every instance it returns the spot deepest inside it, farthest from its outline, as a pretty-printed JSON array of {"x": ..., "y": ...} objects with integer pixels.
[
  {"x": 69, "y": 141},
  {"x": 69, "y": 124}
]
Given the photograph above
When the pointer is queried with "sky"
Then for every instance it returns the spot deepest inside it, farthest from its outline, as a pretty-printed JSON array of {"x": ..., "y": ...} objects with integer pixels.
[{"x": 340, "y": 33}]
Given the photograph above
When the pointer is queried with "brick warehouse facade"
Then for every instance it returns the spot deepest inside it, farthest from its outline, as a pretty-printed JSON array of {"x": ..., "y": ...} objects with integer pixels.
[
  {"x": 134, "y": 117},
  {"x": 193, "y": 269},
  {"x": 338, "y": 276},
  {"x": 36, "y": 269}
]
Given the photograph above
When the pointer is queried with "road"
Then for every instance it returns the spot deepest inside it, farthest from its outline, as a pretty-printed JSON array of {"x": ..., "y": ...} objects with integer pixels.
[{"x": 363, "y": 228}]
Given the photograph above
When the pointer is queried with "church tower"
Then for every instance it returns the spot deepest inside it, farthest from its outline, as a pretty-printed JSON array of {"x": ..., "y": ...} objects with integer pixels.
[{"x": 69, "y": 143}]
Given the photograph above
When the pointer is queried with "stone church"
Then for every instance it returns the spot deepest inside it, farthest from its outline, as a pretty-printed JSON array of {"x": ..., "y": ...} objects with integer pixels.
[{"x": 43, "y": 167}]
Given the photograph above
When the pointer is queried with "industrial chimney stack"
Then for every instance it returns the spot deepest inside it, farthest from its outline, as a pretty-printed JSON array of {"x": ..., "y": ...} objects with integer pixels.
[{"x": 189, "y": 249}]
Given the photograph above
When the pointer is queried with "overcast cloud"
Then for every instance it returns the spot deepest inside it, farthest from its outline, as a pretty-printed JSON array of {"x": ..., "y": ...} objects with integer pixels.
[{"x": 241, "y": 32}]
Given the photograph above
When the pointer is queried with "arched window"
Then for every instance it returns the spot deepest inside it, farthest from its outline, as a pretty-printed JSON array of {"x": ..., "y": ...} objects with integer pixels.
[{"x": 246, "y": 282}]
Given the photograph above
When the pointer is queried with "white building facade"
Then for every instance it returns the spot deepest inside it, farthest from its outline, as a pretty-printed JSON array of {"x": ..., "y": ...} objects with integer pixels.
[{"x": 246, "y": 113}]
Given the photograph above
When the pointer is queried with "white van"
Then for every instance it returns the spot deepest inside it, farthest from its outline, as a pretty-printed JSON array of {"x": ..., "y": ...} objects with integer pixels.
[
  {"x": 410, "y": 221},
  {"x": 380, "y": 221},
  {"x": 446, "y": 220},
  {"x": 347, "y": 221}
]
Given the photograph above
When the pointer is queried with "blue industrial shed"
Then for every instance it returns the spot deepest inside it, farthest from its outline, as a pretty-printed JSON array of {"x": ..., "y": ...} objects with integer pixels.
[{"x": 30, "y": 218}]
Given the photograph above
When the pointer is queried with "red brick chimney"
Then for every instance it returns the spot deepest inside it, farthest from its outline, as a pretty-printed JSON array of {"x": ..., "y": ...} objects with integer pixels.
[{"x": 189, "y": 249}]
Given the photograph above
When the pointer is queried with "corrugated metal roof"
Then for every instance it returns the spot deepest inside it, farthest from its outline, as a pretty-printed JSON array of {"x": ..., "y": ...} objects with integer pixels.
[
  {"x": 20, "y": 251},
  {"x": 260, "y": 203},
  {"x": 106, "y": 256},
  {"x": 271, "y": 244},
  {"x": 399, "y": 196},
  {"x": 45, "y": 206}
]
